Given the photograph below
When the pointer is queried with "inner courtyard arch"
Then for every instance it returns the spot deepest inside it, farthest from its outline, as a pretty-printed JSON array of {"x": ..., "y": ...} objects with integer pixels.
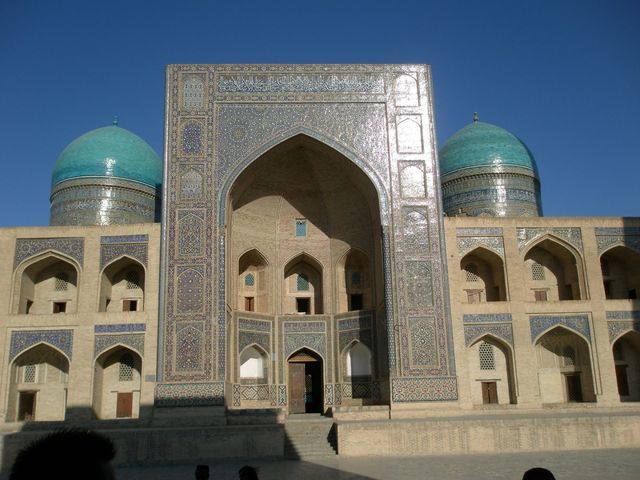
[
  {"x": 621, "y": 273},
  {"x": 626, "y": 355},
  {"x": 483, "y": 277},
  {"x": 491, "y": 372},
  {"x": 116, "y": 383}
]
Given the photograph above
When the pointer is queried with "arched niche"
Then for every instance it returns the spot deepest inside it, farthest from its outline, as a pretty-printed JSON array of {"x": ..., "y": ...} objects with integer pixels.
[
  {"x": 253, "y": 283},
  {"x": 48, "y": 284},
  {"x": 303, "y": 286},
  {"x": 116, "y": 383},
  {"x": 122, "y": 286},
  {"x": 483, "y": 277},
  {"x": 626, "y": 355},
  {"x": 305, "y": 382},
  {"x": 355, "y": 291},
  {"x": 38, "y": 387},
  {"x": 491, "y": 372},
  {"x": 553, "y": 272},
  {"x": 357, "y": 363},
  {"x": 621, "y": 273},
  {"x": 254, "y": 366},
  {"x": 303, "y": 195},
  {"x": 564, "y": 367}
]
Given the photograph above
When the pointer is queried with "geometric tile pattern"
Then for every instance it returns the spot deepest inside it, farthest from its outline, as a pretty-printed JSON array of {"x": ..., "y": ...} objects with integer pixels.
[
  {"x": 424, "y": 389},
  {"x": 466, "y": 244},
  {"x": 577, "y": 322},
  {"x": 626, "y": 236},
  {"x": 189, "y": 394},
  {"x": 27, "y": 247},
  {"x": 110, "y": 251},
  {"x": 618, "y": 327},
  {"x": 23, "y": 339},
  {"x": 120, "y": 328},
  {"x": 105, "y": 342},
  {"x": 474, "y": 332},
  {"x": 486, "y": 317},
  {"x": 623, "y": 315},
  {"x": 424, "y": 350},
  {"x": 572, "y": 235}
]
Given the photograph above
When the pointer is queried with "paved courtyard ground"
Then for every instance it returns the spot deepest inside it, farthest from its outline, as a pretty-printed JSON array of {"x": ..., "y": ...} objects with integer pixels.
[{"x": 588, "y": 464}]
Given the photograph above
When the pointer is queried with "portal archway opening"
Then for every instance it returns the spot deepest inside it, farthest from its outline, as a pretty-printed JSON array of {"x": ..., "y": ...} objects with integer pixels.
[
  {"x": 38, "y": 389},
  {"x": 564, "y": 367},
  {"x": 483, "y": 277},
  {"x": 48, "y": 285},
  {"x": 553, "y": 272},
  {"x": 621, "y": 273},
  {"x": 626, "y": 355},
  {"x": 305, "y": 382}
]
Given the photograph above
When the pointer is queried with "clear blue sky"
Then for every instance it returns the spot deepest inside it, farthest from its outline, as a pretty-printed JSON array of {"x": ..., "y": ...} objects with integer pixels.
[{"x": 564, "y": 76}]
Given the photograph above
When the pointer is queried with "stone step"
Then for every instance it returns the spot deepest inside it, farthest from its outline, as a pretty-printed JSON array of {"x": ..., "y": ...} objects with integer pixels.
[{"x": 313, "y": 438}]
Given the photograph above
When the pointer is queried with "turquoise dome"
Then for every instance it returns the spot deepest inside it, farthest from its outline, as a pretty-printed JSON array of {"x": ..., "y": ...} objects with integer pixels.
[
  {"x": 482, "y": 145},
  {"x": 109, "y": 152}
]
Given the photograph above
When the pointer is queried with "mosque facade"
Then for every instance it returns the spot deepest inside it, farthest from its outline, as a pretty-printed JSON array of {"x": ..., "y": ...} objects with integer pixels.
[{"x": 304, "y": 247}]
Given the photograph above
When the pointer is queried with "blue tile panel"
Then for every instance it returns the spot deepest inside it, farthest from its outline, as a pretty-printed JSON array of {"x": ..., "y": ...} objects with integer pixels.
[
  {"x": 578, "y": 323},
  {"x": 28, "y": 247},
  {"x": 25, "y": 339},
  {"x": 120, "y": 328}
]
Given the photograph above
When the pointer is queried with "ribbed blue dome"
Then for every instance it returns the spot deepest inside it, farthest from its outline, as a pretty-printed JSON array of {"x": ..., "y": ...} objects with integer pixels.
[
  {"x": 484, "y": 145},
  {"x": 109, "y": 152}
]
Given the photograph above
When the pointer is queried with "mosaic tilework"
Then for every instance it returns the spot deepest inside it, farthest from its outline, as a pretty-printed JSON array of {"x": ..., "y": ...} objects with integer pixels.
[
  {"x": 369, "y": 390},
  {"x": 25, "y": 339},
  {"x": 333, "y": 83},
  {"x": 473, "y": 332},
  {"x": 412, "y": 181},
  {"x": 416, "y": 229},
  {"x": 282, "y": 395},
  {"x": 189, "y": 342},
  {"x": 527, "y": 235},
  {"x": 423, "y": 389},
  {"x": 249, "y": 338},
  {"x": 626, "y": 236},
  {"x": 249, "y": 392},
  {"x": 479, "y": 232},
  {"x": 28, "y": 247},
  {"x": 486, "y": 317},
  {"x": 190, "y": 291},
  {"x": 418, "y": 286},
  {"x": 578, "y": 323},
  {"x": 302, "y": 326},
  {"x": 256, "y": 325},
  {"x": 190, "y": 233},
  {"x": 109, "y": 239},
  {"x": 623, "y": 315},
  {"x": 192, "y": 138},
  {"x": 619, "y": 327},
  {"x": 189, "y": 394},
  {"x": 193, "y": 91},
  {"x": 361, "y": 322},
  {"x": 423, "y": 341},
  {"x": 103, "y": 343},
  {"x": 406, "y": 91},
  {"x": 111, "y": 251},
  {"x": 120, "y": 328},
  {"x": 315, "y": 341},
  {"x": 191, "y": 184},
  {"x": 467, "y": 244}
]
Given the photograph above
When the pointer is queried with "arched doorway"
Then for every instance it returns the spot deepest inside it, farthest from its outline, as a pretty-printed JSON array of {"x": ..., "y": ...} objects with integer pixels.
[
  {"x": 305, "y": 382},
  {"x": 491, "y": 372},
  {"x": 621, "y": 273},
  {"x": 116, "y": 384},
  {"x": 38, "y": 389},
  {"x": 626, "y": 354},
  {"x": 564, "y": 367}
]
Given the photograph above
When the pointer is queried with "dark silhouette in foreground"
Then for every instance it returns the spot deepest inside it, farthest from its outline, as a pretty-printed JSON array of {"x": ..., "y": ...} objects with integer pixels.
[
  {"x": 202, "y": 472},
  {"x": 70, "y": 454},
  {"x": 538, "y": 473},
  {"x": 248, "y": 473}
]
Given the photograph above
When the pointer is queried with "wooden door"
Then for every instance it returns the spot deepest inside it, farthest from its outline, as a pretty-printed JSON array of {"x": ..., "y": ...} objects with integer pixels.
[
  {"x": 124, "y": 405},
  {"x": 489, "y": 392},
  {"x": 296, "y": 387}
]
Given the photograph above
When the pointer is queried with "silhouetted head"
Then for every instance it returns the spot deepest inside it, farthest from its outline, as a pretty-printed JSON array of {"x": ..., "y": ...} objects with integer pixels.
[
  {"x": 202, "y": 472},
  {"x": 538, "y": 473},
  {"x": 70, "y": 454},
  {"x": 248, "y": 473}
]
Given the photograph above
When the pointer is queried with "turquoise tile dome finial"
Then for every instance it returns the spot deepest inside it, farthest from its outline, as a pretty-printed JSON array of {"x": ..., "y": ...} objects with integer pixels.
[
  {"x": 485, "y": 145},
  {"x": 109, "y": 152}
]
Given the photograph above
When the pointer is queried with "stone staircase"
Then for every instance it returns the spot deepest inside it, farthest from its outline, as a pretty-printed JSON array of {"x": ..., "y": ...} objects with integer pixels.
[{"x": 309, "y": 436}]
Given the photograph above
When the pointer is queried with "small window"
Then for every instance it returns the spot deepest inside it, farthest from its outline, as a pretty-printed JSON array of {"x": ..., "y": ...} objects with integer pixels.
[
  {"x": 356, "y": 278},
  {"x": 248, "y": 304},
  {"x": 28, "y": 306},
  {"x": 302, "y": 283},
  {"x": 301, "y": 227},
  {"x": 471, "y": 273},
  {"x": 474, "y": 296},
  {"x": 129, "y": 305},
  {"x": 59, "y": 307},
  {"x": 569, "y": 355},
  {"x": 540, "y": 295},
  {"x": 537, "y": 271},
  {"x": 303, "y": 305},
  {"x": 133, "y": 280},
  {"x": 487, "y": 357},
  {"x": 29, "y": 374},
  {"x": 61, "y": 282},
  {"x": 125, "y": 373},
  {"x": 355, "y": 301},
  {"x": 249, "y": 280}
]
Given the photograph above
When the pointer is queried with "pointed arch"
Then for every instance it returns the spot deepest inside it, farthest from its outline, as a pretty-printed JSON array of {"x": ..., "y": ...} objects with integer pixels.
[
  {"x": 626, "y": 357},
  {"x": 122, "y": 285},
  {"x": 555, "y": 270},
  {"x": 303, "y": 285},
  {"x": 117, "y": 381},
  {"x": 492, "y": 372},
  {"x": 484, "y": 278},
  {"x": 253, "y": 365},
  {"x": 620, "y": 267},
  {"x": 254, "y": 282},
  {"x": 37, "y": 284},
  {"x": 357, "y": 362},
  {"x": 565, "y": 366},
  {"x": 354, "y": 281}
]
